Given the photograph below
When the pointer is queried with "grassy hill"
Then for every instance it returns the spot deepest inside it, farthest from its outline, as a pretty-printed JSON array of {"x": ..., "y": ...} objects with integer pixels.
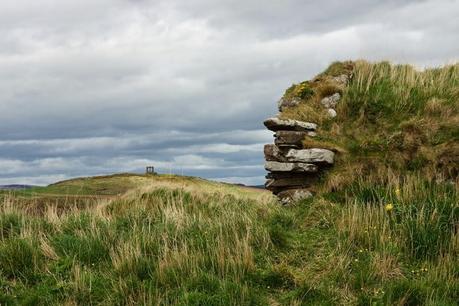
[{"x": 383, "y": 228}]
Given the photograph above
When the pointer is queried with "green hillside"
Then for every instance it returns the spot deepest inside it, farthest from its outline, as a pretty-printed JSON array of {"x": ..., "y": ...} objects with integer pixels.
[{"x": 382, "y": 229}]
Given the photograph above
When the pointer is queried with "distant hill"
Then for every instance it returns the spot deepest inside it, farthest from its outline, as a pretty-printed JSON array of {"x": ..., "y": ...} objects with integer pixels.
[{"x": 15, "y": 187}]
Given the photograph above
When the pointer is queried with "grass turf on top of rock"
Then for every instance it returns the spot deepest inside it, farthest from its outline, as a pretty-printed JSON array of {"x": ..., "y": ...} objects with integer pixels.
[{"x": 390, "y": 116}]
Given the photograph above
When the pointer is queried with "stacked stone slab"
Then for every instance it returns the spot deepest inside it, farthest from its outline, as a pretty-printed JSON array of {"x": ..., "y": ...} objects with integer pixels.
[{"x": 292, "y": 168}]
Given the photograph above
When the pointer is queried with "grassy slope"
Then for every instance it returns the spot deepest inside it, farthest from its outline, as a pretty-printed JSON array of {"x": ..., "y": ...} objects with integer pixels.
[
  {"x": 397, "y": 138},
  {"x": 174, "y": 240}
]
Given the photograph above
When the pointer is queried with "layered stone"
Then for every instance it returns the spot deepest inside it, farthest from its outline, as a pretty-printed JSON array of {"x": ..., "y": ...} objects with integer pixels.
[
  {"x": 288, "y": 182},
  {"x": 290, "y": 139},
  {"x": 315, "y": 155},
  {"x": 290, "y": 167},
  {"x": 276, "y": 124},
  {"x": 310, "y": 176}
]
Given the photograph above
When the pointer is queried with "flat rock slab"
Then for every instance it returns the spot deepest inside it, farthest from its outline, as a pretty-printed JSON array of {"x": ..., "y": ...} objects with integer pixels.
[
  {"x": 290, "y": 167},
  {"x": 293, "y": 195},
  {"x": 292, "y": 175},
  {"x": 310, "y": 156},
  {"x": 315, "y": 155},
  {"x": 290, "y": 138},
  {"x": 276, "y": 124},
  {"x": 288, "y": 182}
]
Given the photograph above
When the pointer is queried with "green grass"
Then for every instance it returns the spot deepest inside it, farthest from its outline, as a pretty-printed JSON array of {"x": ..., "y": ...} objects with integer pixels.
[
  {"x": 390, "y": 116},
  {"x": 170, "y": 240},
  {"x": 99, "y": 185},
  {"x": 191, "y": 242}
]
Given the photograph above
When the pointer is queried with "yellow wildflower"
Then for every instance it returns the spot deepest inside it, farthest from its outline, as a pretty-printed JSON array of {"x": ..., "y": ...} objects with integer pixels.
[
  {"x": 389, "y": 207},
  {"x": 397, "y": 192}
]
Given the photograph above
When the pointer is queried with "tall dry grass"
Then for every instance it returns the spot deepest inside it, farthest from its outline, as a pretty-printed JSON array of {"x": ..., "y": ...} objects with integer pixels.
[{"x": 161, "y": 244}]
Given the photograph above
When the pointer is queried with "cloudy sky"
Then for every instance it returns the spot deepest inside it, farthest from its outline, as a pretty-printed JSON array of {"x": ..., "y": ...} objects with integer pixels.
[{"x": 101, "y": 86}]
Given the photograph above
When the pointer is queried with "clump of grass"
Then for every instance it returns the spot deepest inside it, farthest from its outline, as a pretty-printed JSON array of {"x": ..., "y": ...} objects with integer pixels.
[
  {"x": 310, "y": 93},
  {"x": 338, "y": 68},
  {"x": 405, "y": 229},
  {"x": 172, "y": 243},
  {"x": 302, "y": 90}
]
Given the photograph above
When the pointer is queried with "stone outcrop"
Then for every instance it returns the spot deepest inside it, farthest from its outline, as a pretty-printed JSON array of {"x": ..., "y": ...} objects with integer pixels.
[
  {"x": 330, "y": 104},
  {"x": 276, "y": 124},
  {"x": 341, "y": 80},
  {"x": 331, "y": 101},
  {"x": 293, "y": 195},
  {"x": 293, "y": 168},
  {"x": 288, "y": 102}
]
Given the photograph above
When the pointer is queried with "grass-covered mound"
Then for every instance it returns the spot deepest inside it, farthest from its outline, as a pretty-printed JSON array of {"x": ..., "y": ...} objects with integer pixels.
[
  {"x": 395, "y": 179},
  {"x": 390, "y": 118}
]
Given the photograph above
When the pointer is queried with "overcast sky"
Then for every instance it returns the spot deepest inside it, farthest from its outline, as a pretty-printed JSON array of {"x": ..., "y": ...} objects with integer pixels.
[{"x": 102, "y": 86}]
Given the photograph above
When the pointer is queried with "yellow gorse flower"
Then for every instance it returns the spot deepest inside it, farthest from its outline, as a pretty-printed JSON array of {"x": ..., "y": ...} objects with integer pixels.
[{"x": 389, "y": 207}]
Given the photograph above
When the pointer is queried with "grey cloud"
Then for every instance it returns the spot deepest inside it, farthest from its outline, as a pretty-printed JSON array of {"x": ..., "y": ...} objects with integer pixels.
[{"x": 94, "y": 87}]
